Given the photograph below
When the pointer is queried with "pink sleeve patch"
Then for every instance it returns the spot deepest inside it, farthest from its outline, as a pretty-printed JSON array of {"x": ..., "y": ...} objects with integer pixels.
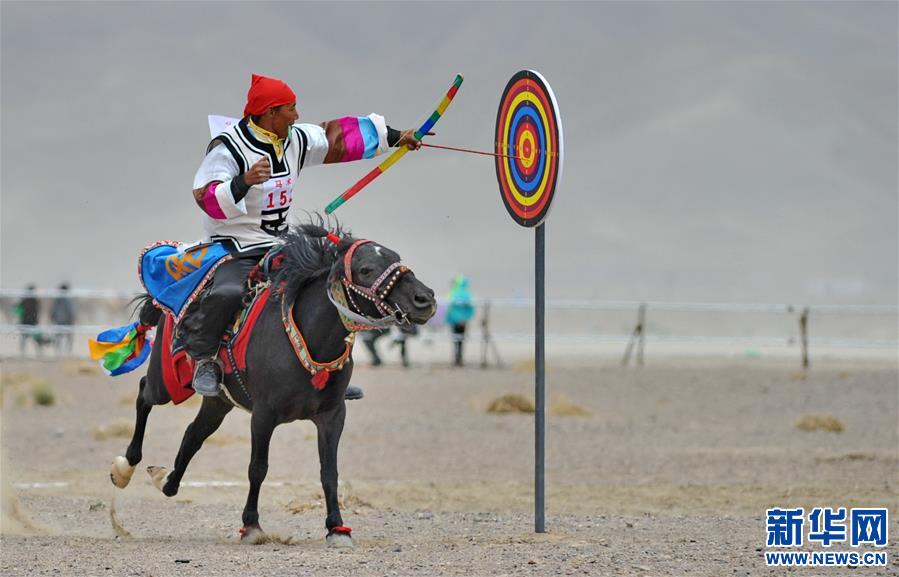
[
  {"x": 211, "y": 203},
  {"x": 352, "y": 139}
]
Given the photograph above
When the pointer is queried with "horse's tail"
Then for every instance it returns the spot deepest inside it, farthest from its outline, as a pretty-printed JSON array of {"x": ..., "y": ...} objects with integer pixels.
[{"x": 147, "y": 312}]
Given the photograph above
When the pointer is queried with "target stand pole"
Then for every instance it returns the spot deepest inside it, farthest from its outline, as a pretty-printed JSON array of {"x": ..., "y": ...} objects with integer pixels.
[
  {"x": 539, "y": 383},
  {"x": 529, "y": 127}
]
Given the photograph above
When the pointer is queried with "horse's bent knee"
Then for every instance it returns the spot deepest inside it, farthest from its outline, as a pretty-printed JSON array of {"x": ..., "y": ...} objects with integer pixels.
[{"x": 121, "y": 471}]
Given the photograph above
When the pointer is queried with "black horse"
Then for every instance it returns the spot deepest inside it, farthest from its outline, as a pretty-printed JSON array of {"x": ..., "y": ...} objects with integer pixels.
[{"x": 338, "y": 287}]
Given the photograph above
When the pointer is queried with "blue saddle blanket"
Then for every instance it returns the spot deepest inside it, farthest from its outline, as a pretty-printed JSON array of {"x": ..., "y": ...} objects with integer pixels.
[{"x": 174, "y": 273}]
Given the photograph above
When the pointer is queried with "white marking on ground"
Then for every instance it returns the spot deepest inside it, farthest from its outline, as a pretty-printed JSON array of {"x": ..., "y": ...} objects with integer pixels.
[
  {"x": 51, "y": 485},
  {"x": 60, "y": 484},
  {"x": 231, "y": 483}
]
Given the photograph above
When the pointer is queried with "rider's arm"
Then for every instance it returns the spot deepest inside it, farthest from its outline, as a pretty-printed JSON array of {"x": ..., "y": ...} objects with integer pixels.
[
  {"x": 219, "y": 186},
  {"x": 393, "y": 136},
  {"x": 344, "y": 139},
  {"x": 396, "y": 138}
]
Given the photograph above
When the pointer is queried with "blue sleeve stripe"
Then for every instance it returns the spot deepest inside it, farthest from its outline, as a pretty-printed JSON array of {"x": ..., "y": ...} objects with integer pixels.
[{"x": 369, "y": 137}]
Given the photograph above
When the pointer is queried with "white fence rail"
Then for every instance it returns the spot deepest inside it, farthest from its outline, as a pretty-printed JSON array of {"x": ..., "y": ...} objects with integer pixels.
[{"x": 506, "y": 325}]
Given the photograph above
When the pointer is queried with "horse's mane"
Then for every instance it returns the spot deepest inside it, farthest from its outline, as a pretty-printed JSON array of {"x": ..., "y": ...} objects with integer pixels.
[{"x": 308, "y": 254}]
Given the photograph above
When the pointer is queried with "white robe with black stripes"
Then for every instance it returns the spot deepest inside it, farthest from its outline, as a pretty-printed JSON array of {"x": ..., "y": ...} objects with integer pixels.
[{"x": 255, "y": 221}]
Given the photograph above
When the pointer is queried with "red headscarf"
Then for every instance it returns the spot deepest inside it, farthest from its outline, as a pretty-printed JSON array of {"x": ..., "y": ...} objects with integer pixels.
[{"x": 267, "y": 92}]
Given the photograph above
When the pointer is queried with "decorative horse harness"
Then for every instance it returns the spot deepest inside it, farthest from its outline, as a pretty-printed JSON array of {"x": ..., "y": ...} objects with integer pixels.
[
  {"x": 377, "y": 294},
  {"x": 340, "y": 293}
]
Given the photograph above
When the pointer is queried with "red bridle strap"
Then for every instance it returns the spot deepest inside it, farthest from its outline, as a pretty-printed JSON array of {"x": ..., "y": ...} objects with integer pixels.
[
  {"x": 348, "y": 259},
  {"x": 374, "y": 293}
]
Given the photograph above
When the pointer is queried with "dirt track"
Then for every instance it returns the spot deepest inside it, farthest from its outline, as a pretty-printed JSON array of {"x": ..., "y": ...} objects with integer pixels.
[{"x": 670, "y": 474}]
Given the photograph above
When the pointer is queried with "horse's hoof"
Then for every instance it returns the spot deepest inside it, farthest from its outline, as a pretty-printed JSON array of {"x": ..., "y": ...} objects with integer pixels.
[
  {"x": 252, "y": 535},
  {"x": 170, "y": 489},
  {"x": 120, "y": 473},
  {"x": 340, "y": 538},
  {"x": 159, "y": 476}
]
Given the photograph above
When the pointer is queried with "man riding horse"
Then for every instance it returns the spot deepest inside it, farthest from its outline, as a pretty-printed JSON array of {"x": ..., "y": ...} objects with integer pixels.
[{"x": 245, "y": 188}]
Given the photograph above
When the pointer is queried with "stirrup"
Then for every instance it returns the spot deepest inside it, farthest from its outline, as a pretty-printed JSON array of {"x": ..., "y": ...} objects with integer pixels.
[{"x": 206, "y": 388}]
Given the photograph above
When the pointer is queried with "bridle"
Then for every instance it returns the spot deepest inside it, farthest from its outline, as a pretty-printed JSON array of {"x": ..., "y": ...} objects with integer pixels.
[
  {"x": 340, "y": 293},
  {"x": 377, "y": 294}
]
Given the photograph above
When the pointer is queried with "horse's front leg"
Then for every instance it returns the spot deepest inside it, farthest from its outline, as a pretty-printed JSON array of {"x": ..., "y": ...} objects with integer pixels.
[
  {"x": 330, "y": 427},
  {"x": 209, "y": 418},
  {"x": 123, "y": 467},
  {"x": 262, "y": 425}
]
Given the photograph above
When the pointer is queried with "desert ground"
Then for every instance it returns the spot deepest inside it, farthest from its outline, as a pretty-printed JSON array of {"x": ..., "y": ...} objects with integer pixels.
[{"x": 661, "y": 470}]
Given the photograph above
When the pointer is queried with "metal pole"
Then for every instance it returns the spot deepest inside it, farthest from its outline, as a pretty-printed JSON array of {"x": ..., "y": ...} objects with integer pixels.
[
  {"x": 485, "y": 333},
  {"x": 803, "y": 331},
  {"x": 539, "y": 385},
  {"x": 641, "y": 326}
]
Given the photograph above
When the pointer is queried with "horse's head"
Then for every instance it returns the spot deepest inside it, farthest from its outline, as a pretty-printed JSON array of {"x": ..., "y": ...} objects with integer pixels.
[{"x": 379, "y": 287}]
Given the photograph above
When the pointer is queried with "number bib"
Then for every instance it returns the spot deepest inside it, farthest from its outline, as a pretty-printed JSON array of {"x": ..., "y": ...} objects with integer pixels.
[{"x": 277, "y": 196}]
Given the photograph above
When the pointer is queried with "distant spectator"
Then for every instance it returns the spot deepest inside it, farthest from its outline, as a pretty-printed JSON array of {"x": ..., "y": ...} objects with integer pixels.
[
  {"x": 63, "y": 316},
  {"x": 28, "y": 311},
  {"x": 369, "y": 338},
  {"x": 460, "y": 309},
  {"x": 400, "y": 335}
]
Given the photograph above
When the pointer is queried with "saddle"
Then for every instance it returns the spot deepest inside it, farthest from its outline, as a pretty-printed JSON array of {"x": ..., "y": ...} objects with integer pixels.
[{"x": 178, "y": 366}]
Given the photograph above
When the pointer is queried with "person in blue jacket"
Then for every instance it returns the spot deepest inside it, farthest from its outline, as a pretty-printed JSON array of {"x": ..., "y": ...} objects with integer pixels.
[{"x": 460, "y": 309}]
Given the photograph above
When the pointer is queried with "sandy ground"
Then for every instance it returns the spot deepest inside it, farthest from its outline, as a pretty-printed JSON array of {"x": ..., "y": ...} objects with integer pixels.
[{"x": 670, "y": 473}]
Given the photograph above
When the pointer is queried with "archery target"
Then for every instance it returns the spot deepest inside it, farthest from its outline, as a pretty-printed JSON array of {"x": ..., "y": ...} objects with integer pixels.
[{"x": 529, "y": 128}]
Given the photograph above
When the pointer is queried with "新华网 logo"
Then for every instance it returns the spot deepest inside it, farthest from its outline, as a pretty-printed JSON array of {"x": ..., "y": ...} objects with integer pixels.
[{"x": 824, "y": 527}]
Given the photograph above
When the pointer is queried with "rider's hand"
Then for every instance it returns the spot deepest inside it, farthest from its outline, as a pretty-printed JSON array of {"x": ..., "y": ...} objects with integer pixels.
[
  {"x": 259, "y": 172},
  {"x": 407, "y": 138}
]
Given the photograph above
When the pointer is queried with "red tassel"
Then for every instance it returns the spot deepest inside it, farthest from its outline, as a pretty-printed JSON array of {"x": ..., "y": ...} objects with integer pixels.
[
  {"x": 320, "y": 379},
  {"x": 335, "y": 240}
]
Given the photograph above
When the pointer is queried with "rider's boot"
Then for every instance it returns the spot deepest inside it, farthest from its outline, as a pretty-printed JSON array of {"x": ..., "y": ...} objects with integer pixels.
[
  {"x": 353, "y": 393},
  {"x": 207, "y": 377}
]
